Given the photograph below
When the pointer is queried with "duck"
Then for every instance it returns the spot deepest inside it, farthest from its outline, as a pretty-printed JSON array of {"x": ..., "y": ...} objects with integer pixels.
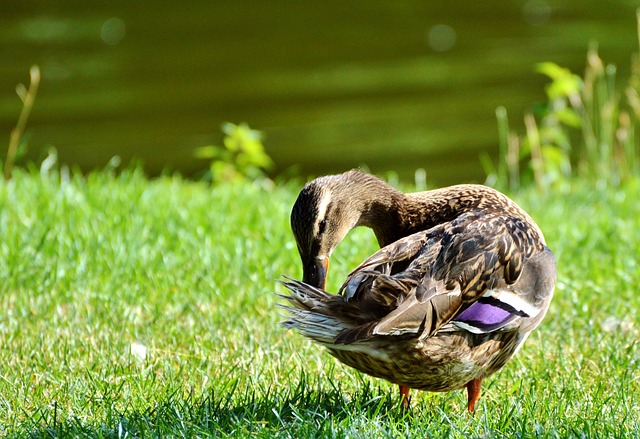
[{"x": 463, "y": 276}]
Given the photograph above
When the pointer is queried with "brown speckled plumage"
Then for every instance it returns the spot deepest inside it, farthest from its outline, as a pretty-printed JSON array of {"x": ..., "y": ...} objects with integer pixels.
[{"x": 463, "y": 277}]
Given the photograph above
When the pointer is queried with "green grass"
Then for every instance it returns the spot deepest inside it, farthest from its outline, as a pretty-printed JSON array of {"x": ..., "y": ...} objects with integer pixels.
[{"x": 90, "y": 266}]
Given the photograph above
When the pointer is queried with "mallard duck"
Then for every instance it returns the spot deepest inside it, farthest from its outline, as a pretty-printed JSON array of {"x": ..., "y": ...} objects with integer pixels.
[{"x": 462, "y": 278}]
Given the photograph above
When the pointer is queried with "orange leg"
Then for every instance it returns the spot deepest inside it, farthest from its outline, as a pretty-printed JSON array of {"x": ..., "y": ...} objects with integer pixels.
[
  {"x": 404, "y": 393},
  {"x": 473, "y": 393}
]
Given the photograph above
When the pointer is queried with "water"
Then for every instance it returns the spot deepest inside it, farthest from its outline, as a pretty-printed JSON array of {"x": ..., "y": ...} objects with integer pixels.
[{"x": 392, "y": 85}]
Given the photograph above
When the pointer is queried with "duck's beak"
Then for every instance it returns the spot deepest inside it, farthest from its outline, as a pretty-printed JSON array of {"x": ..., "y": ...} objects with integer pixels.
[{"x": 314, "y": 272}]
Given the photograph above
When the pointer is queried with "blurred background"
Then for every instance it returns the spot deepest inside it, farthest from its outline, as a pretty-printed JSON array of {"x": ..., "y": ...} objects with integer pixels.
[{"x": 391, "y": 85}]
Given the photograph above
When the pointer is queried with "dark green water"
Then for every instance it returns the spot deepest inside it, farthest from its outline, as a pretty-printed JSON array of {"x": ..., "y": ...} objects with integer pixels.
[{"x": 333, "y": 84}]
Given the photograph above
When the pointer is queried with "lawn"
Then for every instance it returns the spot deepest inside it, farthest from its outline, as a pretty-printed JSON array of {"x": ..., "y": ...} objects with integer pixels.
[{"x": 138, "y": 308}]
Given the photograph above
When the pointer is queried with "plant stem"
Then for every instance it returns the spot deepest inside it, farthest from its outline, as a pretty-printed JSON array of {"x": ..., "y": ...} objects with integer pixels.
[
  {"x": 16, "y": 134},
  {"x": 536, "y": 151}
]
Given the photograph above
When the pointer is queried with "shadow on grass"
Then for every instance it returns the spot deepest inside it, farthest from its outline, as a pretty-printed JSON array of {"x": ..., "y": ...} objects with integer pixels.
[{"x": 306, "y": 410}]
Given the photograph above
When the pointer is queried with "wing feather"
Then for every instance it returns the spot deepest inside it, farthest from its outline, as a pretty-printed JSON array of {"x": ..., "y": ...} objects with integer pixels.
[{"x": 444, "y": 270}]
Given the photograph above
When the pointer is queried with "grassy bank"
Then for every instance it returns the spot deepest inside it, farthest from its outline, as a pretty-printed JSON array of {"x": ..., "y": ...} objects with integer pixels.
[{"x": 144, "y": 308}]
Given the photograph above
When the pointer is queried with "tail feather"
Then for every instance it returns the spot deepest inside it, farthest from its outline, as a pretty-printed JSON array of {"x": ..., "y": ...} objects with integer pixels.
[
  {"x": 302, "y": 295},
  {"x": 306, "y": 312}
]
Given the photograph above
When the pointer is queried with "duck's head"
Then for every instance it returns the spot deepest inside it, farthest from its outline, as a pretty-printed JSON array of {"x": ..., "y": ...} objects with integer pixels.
[{"x": 321, "y": 217}]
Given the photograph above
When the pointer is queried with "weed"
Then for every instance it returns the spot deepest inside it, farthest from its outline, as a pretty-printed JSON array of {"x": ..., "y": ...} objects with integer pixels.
[{"x": 241, "y": 158}]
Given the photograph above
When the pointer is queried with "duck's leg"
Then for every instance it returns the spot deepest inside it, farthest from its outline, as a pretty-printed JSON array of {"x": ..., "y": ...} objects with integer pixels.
[
  {"x": 404, "y": 393},
  {"x": 473, "y": 393}
]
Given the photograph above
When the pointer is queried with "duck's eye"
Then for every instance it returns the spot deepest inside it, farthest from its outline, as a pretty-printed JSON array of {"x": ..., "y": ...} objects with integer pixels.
[{"x": 322, "y": 225}]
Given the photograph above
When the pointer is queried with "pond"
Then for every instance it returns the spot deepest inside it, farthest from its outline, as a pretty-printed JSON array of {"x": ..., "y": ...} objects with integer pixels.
[{"x": 394, "y": 86}]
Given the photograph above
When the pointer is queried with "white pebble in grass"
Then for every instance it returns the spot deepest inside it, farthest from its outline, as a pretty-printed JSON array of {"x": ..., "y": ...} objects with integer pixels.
[
  {"x": 139, "y": 351},
  {"x": 613, "y": 324}
]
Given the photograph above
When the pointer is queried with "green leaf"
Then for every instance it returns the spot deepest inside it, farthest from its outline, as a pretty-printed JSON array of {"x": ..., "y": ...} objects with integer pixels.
[
  {"x": 208, "y": 152},
  {"x": 552, "y": 70},
  {"x": 563, "y": 84},
  {"x": 569, "y": 117}
]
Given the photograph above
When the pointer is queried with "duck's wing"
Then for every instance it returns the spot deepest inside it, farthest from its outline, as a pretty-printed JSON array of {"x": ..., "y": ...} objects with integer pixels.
[{"x": 465, "y": 272}]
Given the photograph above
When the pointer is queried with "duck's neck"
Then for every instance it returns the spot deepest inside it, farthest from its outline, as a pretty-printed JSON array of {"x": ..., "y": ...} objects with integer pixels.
[
  {"x": 393, "y": 215},
  {"x": 381, "y": 211}
]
